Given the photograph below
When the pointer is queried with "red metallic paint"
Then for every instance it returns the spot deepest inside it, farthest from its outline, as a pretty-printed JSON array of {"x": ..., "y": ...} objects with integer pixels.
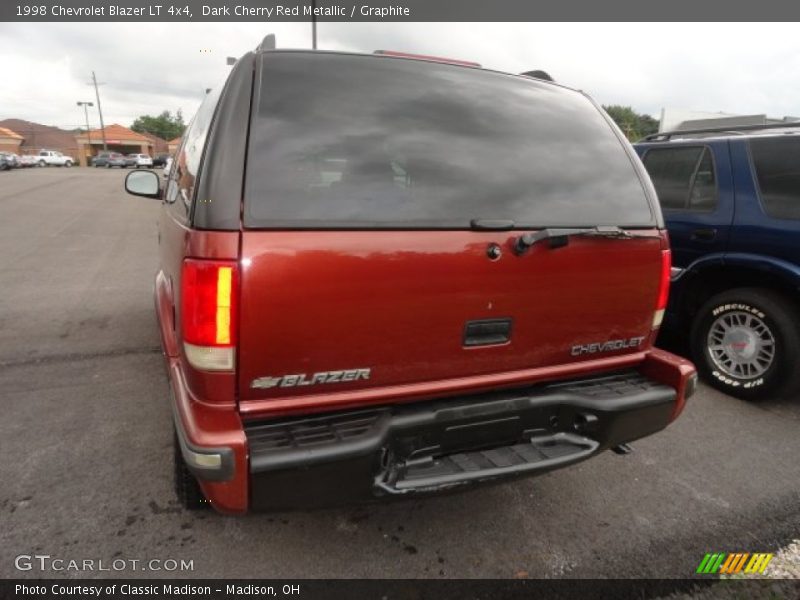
[
  {"x": 177, "y": 243},
  {"x": 670, "y": 370},
  {"x": 336, "y": 400},
  {"x": 204, "y": 402},
  {"x": 400, "y": 301},
  {"x": 213, "y": 426}
]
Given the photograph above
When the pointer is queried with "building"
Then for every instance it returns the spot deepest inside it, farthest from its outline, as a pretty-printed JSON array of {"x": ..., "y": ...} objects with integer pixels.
[
  {"x": 10, "y": 141},
  {"x": 160, "y": 146},
  {"x": 173, "y": 145},
  {"x": 117, "y": 139},
  {"x": 681, "y": 120},
  {"x": 36, "y": 137}
]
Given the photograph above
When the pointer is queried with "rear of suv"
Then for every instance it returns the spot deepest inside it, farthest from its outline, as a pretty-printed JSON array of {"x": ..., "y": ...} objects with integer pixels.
[{"x": 385, "y": 276}]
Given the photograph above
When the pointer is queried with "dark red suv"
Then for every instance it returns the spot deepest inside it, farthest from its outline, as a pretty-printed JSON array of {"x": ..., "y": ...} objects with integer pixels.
[{"x": 384, "y": 276}]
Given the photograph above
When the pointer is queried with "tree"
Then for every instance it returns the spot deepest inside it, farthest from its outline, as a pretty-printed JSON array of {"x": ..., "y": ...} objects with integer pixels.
[
  {"x": 164, "y": 125},
  {"x": 634, "y": 125}
]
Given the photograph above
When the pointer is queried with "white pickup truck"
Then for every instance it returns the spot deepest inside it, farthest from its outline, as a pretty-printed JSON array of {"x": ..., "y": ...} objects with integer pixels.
[{"x": 48, "y": 158}]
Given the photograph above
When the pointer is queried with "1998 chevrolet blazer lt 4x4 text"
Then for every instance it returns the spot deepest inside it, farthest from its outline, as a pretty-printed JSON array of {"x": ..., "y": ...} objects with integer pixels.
[{"x": 383, "y": 276}]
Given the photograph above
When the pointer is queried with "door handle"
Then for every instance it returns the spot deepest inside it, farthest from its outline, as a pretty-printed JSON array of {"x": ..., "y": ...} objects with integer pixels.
[{"x": 704, "y": 235}]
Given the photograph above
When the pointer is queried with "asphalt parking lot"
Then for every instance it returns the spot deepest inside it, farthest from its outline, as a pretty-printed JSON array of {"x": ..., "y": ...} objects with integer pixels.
[{"x": 86, "y": 464}]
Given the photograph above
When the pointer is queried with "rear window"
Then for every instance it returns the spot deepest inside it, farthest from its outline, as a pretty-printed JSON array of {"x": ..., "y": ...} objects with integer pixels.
[
  {"x": 777, "y": 164},
  {"x": 357, "y": 141}
]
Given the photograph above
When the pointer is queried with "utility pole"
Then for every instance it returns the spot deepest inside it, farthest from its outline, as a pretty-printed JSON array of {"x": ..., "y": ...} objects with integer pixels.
[
  {"x": 86, "y": 106},
  {"x": 100, "y": 110},
  {"x": 314, "y": 24}
]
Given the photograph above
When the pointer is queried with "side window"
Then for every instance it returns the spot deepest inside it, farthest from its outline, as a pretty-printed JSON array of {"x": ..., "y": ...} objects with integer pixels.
[
  {"x": 190, "y": 153},
  {"x": 777, "y": 164},
  {"x": 704, "y": 187},
  {"x": 684, "y": 177}
]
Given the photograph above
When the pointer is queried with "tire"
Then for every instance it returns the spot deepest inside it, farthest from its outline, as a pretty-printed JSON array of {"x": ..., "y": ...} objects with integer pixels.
[
  {"x": 108, "y": 165},
  {"x": 42, "y": 164},
  {"x": 187, "y": 489},
  {"x": 68, "y": 164},
  {"x": 746, "y": 343}
]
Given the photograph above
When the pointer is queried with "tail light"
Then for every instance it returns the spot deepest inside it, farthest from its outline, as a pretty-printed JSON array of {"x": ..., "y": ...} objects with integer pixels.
[
  {"x": 663, "y": 288},
  {"x": 208, "y": 313}
]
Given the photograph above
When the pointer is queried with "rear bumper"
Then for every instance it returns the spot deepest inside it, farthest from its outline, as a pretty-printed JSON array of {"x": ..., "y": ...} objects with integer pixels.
[{"x": 419, "y": 448}]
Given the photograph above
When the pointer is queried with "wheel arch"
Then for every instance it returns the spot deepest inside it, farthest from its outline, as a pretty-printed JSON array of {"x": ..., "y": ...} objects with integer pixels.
[{"x": 714, "y": 274}]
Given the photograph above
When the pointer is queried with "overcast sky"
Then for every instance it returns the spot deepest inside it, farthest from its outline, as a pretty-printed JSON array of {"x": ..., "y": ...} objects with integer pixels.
[{"x": 150, "y": 67}]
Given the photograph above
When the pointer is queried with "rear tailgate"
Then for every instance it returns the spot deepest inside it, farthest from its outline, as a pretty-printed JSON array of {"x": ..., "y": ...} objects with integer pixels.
[
  {"x": 398, "y": 303},
  {"x": 368, "y": 271}
]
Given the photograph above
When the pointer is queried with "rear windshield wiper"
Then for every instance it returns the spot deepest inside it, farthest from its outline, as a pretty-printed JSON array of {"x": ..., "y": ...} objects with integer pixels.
[{"x": 559, "y": 236}]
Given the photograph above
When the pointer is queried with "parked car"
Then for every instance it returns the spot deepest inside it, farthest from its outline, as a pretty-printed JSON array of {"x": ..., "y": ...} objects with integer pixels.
[
  {"x": 117, "y": 160},
  {"x": 101, "y": 160},
  {"x": 732, "y": 207},
  {"x": 139, "y": 160},
  {"x": 5, "y": 162},
  {"x": 11, "y": 160},
  {"x": 49, "y": 158},
  {"x": 160, "y": 160},
  {"x": 27, "y": 161},
  {"x": 396, "y": 276},
  {"x": 110, "y": 159}
]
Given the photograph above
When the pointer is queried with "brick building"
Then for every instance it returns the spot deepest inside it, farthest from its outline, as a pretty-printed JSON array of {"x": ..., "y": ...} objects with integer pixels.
[
  {"x": 36, "y": 137},
  {"x": 10, "y": 141},
  {"x": 117, "y": 139}
]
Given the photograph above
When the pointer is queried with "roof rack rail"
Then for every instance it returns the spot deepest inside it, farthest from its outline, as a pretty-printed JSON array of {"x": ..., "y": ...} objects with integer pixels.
[
  {"x": 439, "y": 59},
  {"x": 664, "y": 136},
  {"x": 268, "y": 43}
]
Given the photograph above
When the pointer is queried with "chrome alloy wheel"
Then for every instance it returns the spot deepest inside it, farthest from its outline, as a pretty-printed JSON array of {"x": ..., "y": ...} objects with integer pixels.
[{"x": 741, "y": 345}]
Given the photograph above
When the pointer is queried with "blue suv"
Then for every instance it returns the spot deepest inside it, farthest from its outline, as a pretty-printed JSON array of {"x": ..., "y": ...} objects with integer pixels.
[{"x": 731, "y": 201}]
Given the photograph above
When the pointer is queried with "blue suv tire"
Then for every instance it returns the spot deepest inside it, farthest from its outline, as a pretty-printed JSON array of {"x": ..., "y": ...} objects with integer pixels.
[{"x": 743, "y": 341}]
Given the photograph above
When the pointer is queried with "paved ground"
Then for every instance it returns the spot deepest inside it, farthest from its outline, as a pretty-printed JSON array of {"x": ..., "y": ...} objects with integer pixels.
[{"x": 85, "y": 433}]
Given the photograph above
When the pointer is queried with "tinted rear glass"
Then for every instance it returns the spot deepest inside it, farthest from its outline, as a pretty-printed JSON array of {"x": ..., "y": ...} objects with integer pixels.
[
  {"x": 777, "y": 162},
  {"x": 683, "y": 177},
  {"x": 354, "y": 141}
]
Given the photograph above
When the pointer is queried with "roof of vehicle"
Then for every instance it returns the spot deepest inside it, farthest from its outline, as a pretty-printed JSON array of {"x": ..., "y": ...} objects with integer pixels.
[
  {"x": 390, "y": 55},
  {"x": 743, "y": 131}
]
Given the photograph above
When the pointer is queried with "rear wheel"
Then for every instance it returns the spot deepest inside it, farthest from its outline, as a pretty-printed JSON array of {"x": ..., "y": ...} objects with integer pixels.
[
  {"x": 746, "y": 342},
  {"x": 187, "y": 489},
  {"x": 42, "y": 163},
  {"x": 68, "y": 164}
]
